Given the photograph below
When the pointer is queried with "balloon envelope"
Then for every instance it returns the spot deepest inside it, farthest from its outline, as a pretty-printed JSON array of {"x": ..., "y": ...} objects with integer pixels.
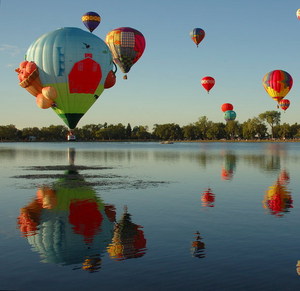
[
  {"x": 277, "y": 84},
  {"x": 127, "y": 45},
  {"x": 284, "y": 104},
  {"x": 298, "y": 13},
  {"x": 197, "y": 35},
  {"x": 226, "y": 107},
  {"x": 207, "y": 83},
  {"x": 75, "y": 63},
  {"x": 229, "y": 115},
  {"x": 91, "y": 20}
]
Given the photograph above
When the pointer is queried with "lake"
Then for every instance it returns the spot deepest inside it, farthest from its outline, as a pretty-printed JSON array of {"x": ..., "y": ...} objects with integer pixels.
[{"x": 150, "y": 216}]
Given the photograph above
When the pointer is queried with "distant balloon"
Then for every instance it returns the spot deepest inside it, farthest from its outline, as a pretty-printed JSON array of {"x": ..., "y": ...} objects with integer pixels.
[
  {"x": 207, "y": 83},
  {"x": 127, "y": 46},
  {"x": 298, "y": 14},
  {"x": 67, "y": 69},
  {"x": 91, "y": 20},
  {"x": 277, "y": 84},
  {"x": 197, "y": 35},
  {"x": 284, "y": 104},
  {"x": 229, "y": 115},
  {"x": 226, "y": 107}
]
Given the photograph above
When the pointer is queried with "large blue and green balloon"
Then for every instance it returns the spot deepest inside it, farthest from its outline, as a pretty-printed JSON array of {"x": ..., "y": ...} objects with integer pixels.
[{"x": 73, "y": 67}]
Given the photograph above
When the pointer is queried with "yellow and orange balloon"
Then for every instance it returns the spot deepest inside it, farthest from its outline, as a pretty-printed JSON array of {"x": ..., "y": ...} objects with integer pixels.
[{"x": 277, "y": 84}]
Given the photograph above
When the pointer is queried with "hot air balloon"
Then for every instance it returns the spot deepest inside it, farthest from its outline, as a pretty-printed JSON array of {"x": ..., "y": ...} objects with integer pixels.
[
  {"x": 284, "y": 104},
  {"x": 298, "y": 13},
  {"x": 229, "y": 115},
  {"x": 197, "y": 35},
  {"x": 226, "y": 107},
  {"x": 127, "y": 46},
  {"x": 277, "y": 84},
  {"x": 91, "y": 20},
  {"x": 66, "y": 69},
  {"x": 207, "y": 83}
]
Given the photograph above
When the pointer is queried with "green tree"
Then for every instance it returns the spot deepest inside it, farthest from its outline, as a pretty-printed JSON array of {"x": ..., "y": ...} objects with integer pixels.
[
  {"x": 284, "y": 131},
  {"x": 253, "y": 128},
  {"x": 168, "y": 131},
  {"x": 9, "y": 132},
  {"x": 189, "y": 131},
  {"x": 128, "y": 131},
  {"x": 141, "y": 132},
  {"x": 202, "y": 125},
  {"x": 54, "y": 132},
  {"x": 88, "y": 132},
  {"x": 112, "y": 132},
  {"x": 216, "y": 131},
  {"x": 27, "y": 132},
  {"x": 272, "y": 118},
  {"x": 233, "y": 129}
]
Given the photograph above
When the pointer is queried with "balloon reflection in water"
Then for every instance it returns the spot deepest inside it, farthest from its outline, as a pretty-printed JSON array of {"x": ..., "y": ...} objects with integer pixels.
[
  {"x": 284, "y": 177},
  {"x": 298, "y": 268},
  {"x": 67, "y": 223},
  {"x": 128, "y": 241},
  {"x": 208, "y": 198},
  {"x": 198, "y": 246},
  {"x": 278, "y": 199},
  {"x": 228, "y": 167}
]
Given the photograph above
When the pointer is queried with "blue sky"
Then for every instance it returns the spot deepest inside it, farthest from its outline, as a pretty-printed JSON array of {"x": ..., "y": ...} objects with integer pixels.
[{"x": 244, "y": 41}]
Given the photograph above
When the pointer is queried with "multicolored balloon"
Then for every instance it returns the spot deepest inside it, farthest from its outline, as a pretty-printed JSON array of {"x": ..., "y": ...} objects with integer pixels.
[
  {"x": 91, "y": 20},
  {"x": 197, "y": 35},
  {"x": 207, "y": 83},
  {"x": 226, "y": 107},
  {"x": 284, "y": 104},
  {"x": 67, "y": 69},
  {"x": 126, "y": 45},
  {"x": 229, "y": 115},
  {"x": 298, "y": 14},
  {"x": 277, "y": 84}
]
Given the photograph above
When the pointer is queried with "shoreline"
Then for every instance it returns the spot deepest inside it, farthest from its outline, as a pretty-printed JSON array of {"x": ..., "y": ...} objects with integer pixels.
[{"x": 164, "y": 141}]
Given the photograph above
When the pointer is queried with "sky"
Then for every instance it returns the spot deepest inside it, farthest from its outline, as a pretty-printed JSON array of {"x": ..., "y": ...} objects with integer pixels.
[{"x": 244, "y": 40}]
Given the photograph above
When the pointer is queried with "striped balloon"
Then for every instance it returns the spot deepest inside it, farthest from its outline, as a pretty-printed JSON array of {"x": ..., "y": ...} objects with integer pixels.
[
  {"x": 284, "y": 104},
  {"x": 197, "y": 35},
  {"x": 277, "y": 84},
  {"x": 91, "y": 20}
]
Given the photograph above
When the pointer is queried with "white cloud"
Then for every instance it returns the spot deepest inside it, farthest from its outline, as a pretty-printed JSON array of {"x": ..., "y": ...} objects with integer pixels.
[{"x": 12, "y": 50}]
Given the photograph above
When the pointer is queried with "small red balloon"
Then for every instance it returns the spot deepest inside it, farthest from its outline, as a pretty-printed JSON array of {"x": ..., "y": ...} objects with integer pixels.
[
  {"x": 207, "y": 83},
  {"x": 226, "y": 107}
]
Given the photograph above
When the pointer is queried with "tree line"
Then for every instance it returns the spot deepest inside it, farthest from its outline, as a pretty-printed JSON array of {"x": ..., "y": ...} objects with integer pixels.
[{"x": 267, "y": 125}]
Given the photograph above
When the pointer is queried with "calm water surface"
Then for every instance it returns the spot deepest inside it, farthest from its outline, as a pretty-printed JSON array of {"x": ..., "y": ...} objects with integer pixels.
[{"x": 147, "y": 216}]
